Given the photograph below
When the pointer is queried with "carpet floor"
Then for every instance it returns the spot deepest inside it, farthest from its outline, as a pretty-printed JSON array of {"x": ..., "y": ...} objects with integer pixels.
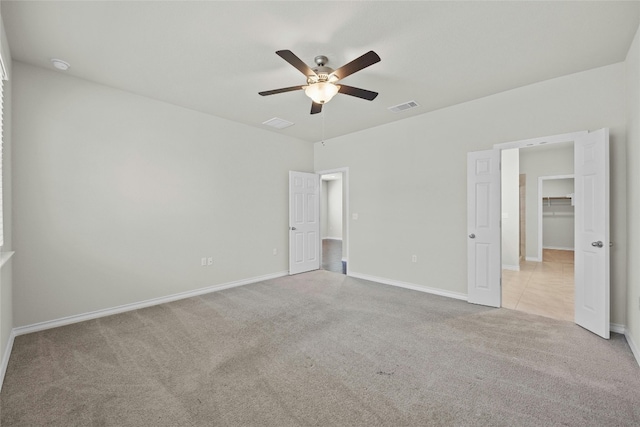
[{"x": 320, "y": 349}]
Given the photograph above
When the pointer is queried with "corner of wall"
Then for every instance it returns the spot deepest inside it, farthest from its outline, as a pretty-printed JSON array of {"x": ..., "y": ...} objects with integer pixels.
[{"x": 632, "y": 63}]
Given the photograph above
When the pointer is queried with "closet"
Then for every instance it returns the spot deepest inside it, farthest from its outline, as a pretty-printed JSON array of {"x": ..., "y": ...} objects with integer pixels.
[{"x": 558, "y": 214}]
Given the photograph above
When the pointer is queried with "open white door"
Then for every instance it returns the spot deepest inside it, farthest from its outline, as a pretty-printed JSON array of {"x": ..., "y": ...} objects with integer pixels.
[
  {"x": 483, "y": 228},
  {"x": 592, "y": 231},
  {"x": 304, "y": 224}
]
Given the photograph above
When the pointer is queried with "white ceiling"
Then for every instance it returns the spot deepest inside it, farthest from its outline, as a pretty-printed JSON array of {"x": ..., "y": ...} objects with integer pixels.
[{"x": 215, "y": 57}]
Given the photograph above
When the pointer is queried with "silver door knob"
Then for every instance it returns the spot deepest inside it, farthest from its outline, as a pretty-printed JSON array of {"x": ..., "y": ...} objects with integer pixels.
[
  {"x": 472, "y": 236},
  {"x": 597, "y": 244},
  {"x": 293, "y": 228}
]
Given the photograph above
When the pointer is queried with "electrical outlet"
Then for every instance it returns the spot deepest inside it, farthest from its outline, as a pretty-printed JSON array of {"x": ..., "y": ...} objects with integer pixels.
[
  {"x": 275, "y": 251},
  {"x": 203, "y": 262},
  {"x": 210, "y": 261},
  {"x": 414, "y": 258}
]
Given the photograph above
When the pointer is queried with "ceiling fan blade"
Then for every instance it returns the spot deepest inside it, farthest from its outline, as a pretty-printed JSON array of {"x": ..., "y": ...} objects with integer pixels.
[
  {"x": 315, "y": 107},
  {"x": 284, "y": 89},
  {"x": 292, "y": 59},
  {"x": 357, "y": 64},
  {"x": 357, "y": 92}
]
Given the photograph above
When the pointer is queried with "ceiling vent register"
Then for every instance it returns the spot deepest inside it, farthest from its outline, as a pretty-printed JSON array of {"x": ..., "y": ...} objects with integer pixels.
[
  {"x": 278, "y": 123},
  {"x": 403, "y": 107}
]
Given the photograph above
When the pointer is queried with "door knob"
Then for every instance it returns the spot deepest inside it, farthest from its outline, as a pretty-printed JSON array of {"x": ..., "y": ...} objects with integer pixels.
[
  {"x": 597, "y": 244},
  {"x": 472, "y": 236},
  {"x": 293, "y": 228}
]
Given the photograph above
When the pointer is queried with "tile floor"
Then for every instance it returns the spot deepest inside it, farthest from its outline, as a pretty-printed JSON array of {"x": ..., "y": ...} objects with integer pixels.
[{"x": 545, "y": 288}]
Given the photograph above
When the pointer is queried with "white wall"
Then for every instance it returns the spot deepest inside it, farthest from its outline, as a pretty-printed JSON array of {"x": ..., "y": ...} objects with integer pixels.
[
  {"x": 561, "y": 187},
  {"x": 324, "y": 210},
  {"x": 334, "y": 209},
  {"x": 510, "y": 177},
  {"x": 536, "y": 162},
  {"x": 633, "y": 193},
  {"x": 423, "y": 190},
  {"x": 117, "y": 197}
]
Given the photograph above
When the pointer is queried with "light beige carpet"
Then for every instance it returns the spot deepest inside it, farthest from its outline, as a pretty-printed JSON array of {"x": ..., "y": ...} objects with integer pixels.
[{"x": 320, "y": 349}]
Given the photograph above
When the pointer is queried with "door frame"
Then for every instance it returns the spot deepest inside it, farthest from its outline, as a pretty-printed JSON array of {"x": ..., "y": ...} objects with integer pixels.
[
  {"x": 541, "y": 180},
  {"x": 539, "y": 141},
  {"x": 345, "y": 210}
]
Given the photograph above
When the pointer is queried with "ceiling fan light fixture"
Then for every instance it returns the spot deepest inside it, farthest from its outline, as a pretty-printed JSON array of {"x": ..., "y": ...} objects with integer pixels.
[{"x": 321, "y": 92}]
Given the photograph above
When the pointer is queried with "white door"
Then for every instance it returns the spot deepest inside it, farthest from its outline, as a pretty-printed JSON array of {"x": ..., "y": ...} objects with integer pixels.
[
  {"x": 483, "y": 228},
  {"x": 304, "y": 224},
  {"x": 592, "y": 232}
]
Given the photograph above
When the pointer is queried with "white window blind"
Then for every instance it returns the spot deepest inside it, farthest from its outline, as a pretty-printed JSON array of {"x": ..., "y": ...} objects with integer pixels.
[{"x": 3, "y": 77}]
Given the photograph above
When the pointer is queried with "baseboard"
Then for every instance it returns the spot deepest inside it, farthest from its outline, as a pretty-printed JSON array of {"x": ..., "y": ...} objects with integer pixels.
[
  {"x": 533, "y": 258},
  {"x": 617, "y": 328},
  {"x": 622, "y": 329},
  {"x": 558, "y": 248},
  {"x": 332, "y": 238},
  {"x": 411, "y": 286},
  {"x": 22, "y": 330},
  {"x": 633, "y": 346},
  {"x": 5, "y": 358},
  {"x": 511, "y": 267}
]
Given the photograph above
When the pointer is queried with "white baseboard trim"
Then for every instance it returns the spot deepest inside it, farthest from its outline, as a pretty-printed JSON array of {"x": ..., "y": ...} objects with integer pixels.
[
  {"x": 5, "y": 358},
  {"x": 411, "y": 286},
  {"x": 511, "y": 267},
  {"x": 622, "y": 329},
  {"x": 533, "y": 258},
  {"x": 558, "y": 248},
  {"x": 49, "y": 324},
  {"x": 617, "y": 328},
  {"x": 332, "y": 238},
  {"x": 633, "y": 346}
]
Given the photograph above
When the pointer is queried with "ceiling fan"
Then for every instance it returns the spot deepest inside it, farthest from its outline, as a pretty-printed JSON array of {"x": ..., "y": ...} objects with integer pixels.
[{"x": 321, "y": 81}]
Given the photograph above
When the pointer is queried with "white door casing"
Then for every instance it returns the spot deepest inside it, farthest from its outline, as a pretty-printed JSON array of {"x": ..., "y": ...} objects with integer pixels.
[
  {"x": 304, "y": 223},
  {"x": 591, "y": 162},
  {"x": 483, "y": 228}
]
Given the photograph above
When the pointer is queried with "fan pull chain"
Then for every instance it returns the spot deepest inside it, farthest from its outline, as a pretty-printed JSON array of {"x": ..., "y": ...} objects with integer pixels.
[{"x": 323, "y": 110}]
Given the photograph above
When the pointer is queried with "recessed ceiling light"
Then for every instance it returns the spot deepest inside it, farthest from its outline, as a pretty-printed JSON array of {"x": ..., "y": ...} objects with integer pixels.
[{"x": 60, "y": 64}]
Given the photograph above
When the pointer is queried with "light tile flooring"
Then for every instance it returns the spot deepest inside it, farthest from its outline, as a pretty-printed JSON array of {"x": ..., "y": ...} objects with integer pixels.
[{"x": 544, "y": 288}]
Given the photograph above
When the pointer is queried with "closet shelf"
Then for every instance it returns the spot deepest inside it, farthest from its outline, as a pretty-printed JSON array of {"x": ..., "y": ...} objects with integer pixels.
[{"x": 558, "y": 201}]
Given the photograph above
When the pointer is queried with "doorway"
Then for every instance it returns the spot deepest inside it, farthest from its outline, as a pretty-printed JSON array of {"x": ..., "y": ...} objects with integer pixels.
[
  {"x": 542, "y": 281},
  {"x": 333, "y": 220},
  {"x": 484, "y": 227}
]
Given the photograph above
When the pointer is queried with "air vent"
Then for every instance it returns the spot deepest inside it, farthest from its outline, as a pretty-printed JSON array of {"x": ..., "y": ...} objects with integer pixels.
[
  {"x": 278, "y": 123},
  {"x": 404, "y": 107}
]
